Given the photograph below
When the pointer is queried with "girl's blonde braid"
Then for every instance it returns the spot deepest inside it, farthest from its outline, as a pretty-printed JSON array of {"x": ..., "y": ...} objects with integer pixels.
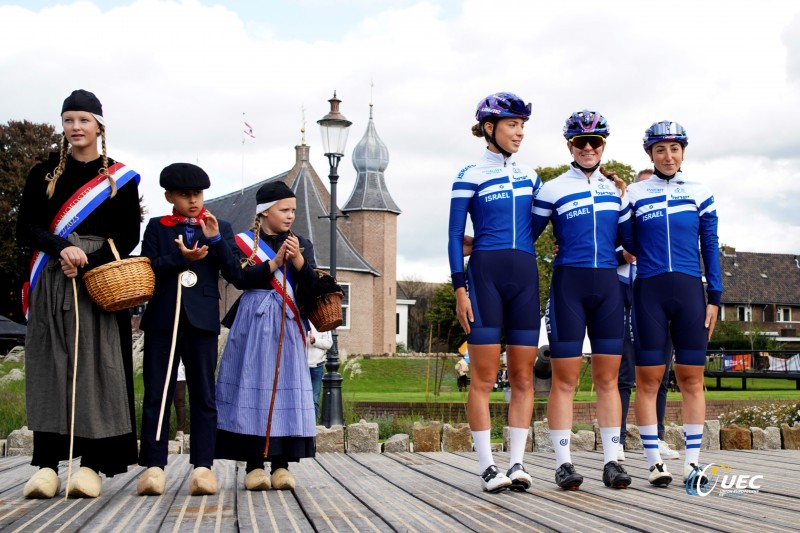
[
  {"x": 616, "y": 179},
  {"x": 104, "y": 171},
  {"x": 62, "y": 162},
  {"x": 251, "y": 261}
]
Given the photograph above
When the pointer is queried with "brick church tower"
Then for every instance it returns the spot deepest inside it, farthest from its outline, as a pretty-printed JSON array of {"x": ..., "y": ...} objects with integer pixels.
[{"x": 371, "y": 226}]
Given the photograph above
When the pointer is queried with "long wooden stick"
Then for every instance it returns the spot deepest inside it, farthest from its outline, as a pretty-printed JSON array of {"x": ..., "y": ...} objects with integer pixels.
[
  {"x": 74, "y": 383},
  {"x": 171, "y": 358},
  {"x": 277, "y": 360}
]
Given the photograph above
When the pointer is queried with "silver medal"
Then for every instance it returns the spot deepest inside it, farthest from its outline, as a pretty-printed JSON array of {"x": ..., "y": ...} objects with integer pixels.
[{"x": 188, "y": 278}]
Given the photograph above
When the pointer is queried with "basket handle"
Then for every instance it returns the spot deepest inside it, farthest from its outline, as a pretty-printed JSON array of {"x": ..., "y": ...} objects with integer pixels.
[{"x": 113, "y": 248}]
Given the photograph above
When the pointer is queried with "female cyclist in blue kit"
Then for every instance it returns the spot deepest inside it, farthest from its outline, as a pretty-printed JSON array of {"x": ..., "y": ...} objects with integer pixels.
[
  {"x": 671, "y": 214},
  {"x": 589, "y": 212},
  {"x": 499, "y": 293}
]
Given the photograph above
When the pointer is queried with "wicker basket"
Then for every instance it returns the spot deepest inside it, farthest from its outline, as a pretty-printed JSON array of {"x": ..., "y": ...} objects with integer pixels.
[
  {"x": 122, "y": 283},
  {"x": 327, "y": 315}
]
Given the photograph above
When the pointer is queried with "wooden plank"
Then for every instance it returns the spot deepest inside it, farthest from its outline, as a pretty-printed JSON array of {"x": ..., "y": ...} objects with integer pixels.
[
  {"x": 403, "y": 511},
  {"x": 458, "y": 493},
  {"x": 329, "y": 505},
  {"x": 269, "y": 510},
  {"x": 415, "y": 492},
  {"x": 216, "y": 512}
]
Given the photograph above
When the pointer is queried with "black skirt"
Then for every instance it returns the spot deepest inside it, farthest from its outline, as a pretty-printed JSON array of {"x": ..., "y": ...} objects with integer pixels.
[{"x": 240, "y": 447}]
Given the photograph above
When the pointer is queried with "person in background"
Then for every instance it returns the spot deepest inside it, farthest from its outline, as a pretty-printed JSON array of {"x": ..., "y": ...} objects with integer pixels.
[
  {"x": 462, "y": 369},
  {"x": 627, "y": 368},
  {"x": 180, "y": 401},
  {"x": 318, "y": 346}
]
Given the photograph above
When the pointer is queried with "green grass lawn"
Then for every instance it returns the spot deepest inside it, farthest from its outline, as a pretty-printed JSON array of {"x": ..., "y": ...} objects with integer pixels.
[{"x": 404, "y": 380}]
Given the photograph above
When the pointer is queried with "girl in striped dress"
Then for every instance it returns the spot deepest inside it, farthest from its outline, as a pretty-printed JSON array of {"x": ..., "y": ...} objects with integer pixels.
[{"x": 247, "y": 369}]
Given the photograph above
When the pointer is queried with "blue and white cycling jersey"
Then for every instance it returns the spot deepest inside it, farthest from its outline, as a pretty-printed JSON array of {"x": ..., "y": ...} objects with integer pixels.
[
  {"x": 669, "y": 218},
  {"x": 588, "y": 215},
  {"x": 498, "y": 195}
]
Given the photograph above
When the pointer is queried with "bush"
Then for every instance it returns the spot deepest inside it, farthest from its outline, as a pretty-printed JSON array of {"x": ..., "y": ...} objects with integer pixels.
[{"x": 763, "y": 416}]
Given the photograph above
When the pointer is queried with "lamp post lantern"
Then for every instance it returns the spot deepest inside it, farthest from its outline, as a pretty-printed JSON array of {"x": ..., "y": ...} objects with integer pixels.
[{"x": 334, "y": 127}]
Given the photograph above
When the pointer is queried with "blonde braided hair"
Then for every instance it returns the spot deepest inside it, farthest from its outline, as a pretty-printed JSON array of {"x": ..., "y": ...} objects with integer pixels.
[
  {"x": 619, "y": 182},
  {"x": 62, "y": 162},
  {"x": 104, "y": 171},
  {"x": 251, "y": 261}
]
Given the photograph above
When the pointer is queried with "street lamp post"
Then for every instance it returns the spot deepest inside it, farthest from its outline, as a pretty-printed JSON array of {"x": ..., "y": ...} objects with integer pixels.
[{"x": 334, "y": 127}]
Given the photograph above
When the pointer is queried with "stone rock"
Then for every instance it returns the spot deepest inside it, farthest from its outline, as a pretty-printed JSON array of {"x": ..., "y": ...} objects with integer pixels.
[
  {"x": 507, "y": 440},
  {"x": 598, "y": 438},
  {"x": 397, "y": 444},
  {"x": 15, "y": 355},
  {"x": 773, "y": 438},
  {"x": 3, "y": 447},
  {"x": 789, "y": 435},
  {"x": 456, "y": 438},
  {"x": 541, "y": 437},
  {"x": 759, "y": 438},
  {"x": 363, "y": 437},
  {"x": 735, "y": 438},
  {"x": 633, "y": 441},
  {"x": 710, "y": 435},
  {"x": 14, "y": 375},
  {"x": 174, "y": 446},
  {"x": 20, "y": 442},
  {"x": 427, "y": 438},
  {"x": 673, "y": 435},
  {"x": 186, "y": 443},
  {"x": 582, "y": 441},
  {"x": 330, "y": 439},
  {"x": 496, "y": 447}
]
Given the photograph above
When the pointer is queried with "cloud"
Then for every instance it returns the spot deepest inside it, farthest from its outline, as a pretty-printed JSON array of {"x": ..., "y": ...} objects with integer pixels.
[{"x": 175, "y": 78}]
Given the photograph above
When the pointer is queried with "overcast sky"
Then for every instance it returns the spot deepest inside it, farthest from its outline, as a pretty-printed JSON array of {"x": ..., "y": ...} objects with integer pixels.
[{"x": 175, "y": 77}]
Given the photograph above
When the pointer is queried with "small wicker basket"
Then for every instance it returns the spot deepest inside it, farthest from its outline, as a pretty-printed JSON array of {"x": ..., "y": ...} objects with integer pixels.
[
  {"x": 327, "y": 315},
  {"x": 122, "y": 283}
]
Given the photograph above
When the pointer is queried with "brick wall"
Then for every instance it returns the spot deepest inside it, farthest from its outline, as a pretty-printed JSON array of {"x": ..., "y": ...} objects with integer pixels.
[{"x": 583, "y": 412}]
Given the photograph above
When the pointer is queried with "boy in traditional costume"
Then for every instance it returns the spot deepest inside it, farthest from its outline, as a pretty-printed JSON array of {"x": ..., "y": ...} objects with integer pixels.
[{"x": 189, "y": 248}]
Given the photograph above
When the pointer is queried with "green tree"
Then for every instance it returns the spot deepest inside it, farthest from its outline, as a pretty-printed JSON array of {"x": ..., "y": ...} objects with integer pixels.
[
  {"x": 441, "y": 316},
  {"x": 22, "y": 144},
  {"x": 418, "y": 326}
]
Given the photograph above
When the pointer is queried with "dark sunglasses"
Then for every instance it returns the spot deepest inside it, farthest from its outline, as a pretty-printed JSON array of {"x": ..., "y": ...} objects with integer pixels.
[
  {"x": 580, "y": 141},
  {"x": 516, "y": 106}
]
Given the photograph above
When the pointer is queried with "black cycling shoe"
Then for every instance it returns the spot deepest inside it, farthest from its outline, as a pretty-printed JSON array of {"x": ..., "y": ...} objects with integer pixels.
[
  {"x": 615, "y": 476},
  {"x": 520, "y": 479},
  {"x": 567, "y": 478}
]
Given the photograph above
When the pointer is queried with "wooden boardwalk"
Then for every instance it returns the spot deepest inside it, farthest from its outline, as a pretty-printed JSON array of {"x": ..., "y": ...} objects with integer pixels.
[{"x": 417, "y": 492}]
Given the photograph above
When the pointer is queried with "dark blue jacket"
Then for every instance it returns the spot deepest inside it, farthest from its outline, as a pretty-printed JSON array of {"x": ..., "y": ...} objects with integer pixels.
[{"x": 200, "y": 303}]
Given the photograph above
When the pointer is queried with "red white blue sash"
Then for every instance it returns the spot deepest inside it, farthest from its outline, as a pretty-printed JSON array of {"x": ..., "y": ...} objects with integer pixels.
[
  {"x": 245, "y": 243},
  {"x": 74, "y": 211}
]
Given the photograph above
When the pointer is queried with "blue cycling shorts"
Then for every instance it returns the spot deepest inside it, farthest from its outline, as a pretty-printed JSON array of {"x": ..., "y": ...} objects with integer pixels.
[
  {"x": 503, "y": 287},
  {"x": 670, "y": 304},
  {"x": 585, "y": 300}
]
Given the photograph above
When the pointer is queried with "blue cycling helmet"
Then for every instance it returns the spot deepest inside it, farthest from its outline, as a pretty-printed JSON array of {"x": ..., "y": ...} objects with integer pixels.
[
  {"x": 664, "y": 131},
  {"x": 502, "y": 105},
  {"x": 586, "y": 123}
]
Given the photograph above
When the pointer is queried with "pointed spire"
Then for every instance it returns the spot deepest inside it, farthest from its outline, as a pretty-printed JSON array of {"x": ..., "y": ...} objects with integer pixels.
[{"x": 370, "y": 159}]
